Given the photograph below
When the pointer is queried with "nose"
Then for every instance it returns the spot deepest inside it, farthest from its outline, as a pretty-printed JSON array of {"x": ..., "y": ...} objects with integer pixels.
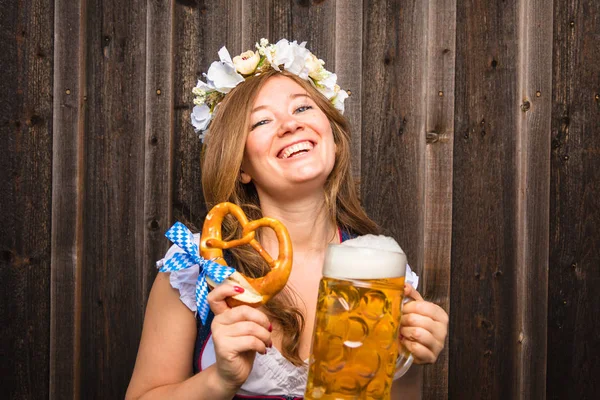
[{"x": 289, "y": 124}]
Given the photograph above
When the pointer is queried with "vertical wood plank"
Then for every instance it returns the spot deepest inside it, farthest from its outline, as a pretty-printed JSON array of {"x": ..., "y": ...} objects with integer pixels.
[
  {"x": 68, "y": 190},
  {"x": 483, "y": 293},
  {"x": 533, "y": 189},
  {"x": 158, "y": 139},
  {"x": 438, "y": 176},
  {"x": 114, "y": 220},
  {"x": 393, "y": 120},
  {"x": 348, "y": 67},
  {"x": 293, "y": 20},
  {"x": 574, "y": 276},
  {"x": 202, "y": 29},
  {"x": 25, "y": 178}
]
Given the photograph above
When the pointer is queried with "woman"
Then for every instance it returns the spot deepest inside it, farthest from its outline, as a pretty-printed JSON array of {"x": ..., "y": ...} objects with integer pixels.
[{"x": 278, "y": 146}]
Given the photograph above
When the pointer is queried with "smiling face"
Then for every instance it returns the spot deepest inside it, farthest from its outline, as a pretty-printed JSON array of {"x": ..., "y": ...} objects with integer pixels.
[{"x": 290, "y": 146}]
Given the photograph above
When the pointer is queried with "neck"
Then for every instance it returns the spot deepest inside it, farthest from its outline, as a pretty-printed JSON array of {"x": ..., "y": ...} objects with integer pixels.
[{"x": 306, "y": 219}]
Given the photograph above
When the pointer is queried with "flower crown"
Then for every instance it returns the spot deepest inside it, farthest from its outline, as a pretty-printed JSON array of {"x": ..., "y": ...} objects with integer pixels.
[{"x": 226, "y": 74}]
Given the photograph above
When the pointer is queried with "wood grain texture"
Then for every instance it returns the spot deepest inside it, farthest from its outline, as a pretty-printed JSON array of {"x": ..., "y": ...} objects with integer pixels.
[
  {"x": 483, "y": 298},
  {"x": 393, "y": 121},
  {"x": 25, "y": 178},
  {"x": 158, "y": 140},
  {"x": 201, "y": 31},
  {"x": 574, "y": 275},
  {"x": 441, "y": 55},
  {"x": 113, "y": 218},
  {"x": 304, "y": 21},
  {"x": 348, "y": 67},
  {"x": 68, "y": 190},
  {"x": 533, "y": 189}
]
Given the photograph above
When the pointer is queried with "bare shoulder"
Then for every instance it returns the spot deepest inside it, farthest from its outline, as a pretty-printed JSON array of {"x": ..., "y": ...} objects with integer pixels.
[{"x": 168, "y": 337}]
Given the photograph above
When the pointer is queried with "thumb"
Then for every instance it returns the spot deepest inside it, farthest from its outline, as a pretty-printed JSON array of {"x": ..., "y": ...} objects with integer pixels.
[{"x": 411, "y": 292}]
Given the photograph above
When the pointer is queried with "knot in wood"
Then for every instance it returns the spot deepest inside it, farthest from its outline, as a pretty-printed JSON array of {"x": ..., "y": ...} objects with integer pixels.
[{"x": 432, "y": 137}]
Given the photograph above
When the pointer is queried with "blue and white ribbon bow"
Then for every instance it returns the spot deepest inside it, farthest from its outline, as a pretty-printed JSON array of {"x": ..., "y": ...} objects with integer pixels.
[{"x": 183, "y": 237}]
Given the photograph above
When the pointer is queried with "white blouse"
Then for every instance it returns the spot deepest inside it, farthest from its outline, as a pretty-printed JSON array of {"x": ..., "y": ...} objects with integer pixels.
[{"x": 272, "y": 374}]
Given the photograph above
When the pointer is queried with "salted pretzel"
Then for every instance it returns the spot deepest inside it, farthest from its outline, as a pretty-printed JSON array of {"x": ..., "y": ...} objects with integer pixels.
[{"x": 257, "y": 291}]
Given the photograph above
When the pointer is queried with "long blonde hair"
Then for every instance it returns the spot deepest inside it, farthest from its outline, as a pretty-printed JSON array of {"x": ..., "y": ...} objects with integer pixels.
[{"x": 221, "y": 163}]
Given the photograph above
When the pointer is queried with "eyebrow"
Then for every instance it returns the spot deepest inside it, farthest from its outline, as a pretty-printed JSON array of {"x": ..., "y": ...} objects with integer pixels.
[{"x": 292, "y": 96}]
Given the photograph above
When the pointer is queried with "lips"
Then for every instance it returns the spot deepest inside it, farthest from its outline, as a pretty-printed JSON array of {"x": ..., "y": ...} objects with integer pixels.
[{"x": 295, "y": 149}]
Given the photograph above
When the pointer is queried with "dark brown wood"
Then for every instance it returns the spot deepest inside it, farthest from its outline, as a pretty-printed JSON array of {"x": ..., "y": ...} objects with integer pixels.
[
  {"x": 574, "y": 275},
  {"x": 25, "y": 203},
  {"x": 201, "y": 32},
  {"x": 67, "y": 200},
  {"x": 533, "y": 189},
  {"x": 158, "y": 139},
  {"x": 348, "y": 67},
  {"x": 441, "y": 56},
  {"x": 114, "y": 222},
  {"x": 483, "y": 297},
  {"x": 393, "y": 121}
]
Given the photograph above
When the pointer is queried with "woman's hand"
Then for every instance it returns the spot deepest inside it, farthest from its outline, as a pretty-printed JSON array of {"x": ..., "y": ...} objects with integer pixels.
[
  {"x": 238, "y": 334},
  {"x": 423, "y": 327}
]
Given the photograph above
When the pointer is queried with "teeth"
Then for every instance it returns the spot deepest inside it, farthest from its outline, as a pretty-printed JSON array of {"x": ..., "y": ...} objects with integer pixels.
[{"x": 288, "y": 151}]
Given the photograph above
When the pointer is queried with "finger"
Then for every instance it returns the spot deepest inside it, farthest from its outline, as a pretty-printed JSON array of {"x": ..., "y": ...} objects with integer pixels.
[
  {"x": 241, "y": 344},
  {"x": 421, "y": 353},
  {"x": 423, "y": 337},
  {"x": 244, "y": 313},
  {"x": 438, "y": 329},
  {"x": 247, "y": 328},
  {"x": 426, "y": 308},
  {"x": 410, "y": 291},
  {"x": 216, "y": 297}
]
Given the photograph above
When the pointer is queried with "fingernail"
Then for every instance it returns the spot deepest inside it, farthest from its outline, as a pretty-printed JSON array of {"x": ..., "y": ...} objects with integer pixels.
[
  {"x": 238, "y": 289},
  {"x": 270, "y": 327},
  {"x": 270, "y": 345},
  {"x": 401, "y": 337}
]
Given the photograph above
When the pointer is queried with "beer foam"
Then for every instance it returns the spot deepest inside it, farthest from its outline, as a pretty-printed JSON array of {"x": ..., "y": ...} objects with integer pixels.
[{"x": 365, "y": 257}]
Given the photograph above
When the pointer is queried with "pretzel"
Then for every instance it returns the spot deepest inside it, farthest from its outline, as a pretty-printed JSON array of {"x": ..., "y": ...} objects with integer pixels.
[{"x": 257, "y": 291}]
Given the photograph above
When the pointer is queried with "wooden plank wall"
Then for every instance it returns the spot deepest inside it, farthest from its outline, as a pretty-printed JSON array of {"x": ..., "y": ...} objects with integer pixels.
[{"x": 476, "y": 140}]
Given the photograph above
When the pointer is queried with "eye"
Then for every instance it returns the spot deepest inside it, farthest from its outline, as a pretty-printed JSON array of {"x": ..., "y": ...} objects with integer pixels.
[
  {"x": 259, "y": 123},
  {"x": 303, "y": 108}
]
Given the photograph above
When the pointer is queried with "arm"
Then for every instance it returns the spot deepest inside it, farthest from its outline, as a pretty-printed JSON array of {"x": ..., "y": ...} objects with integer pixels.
[{"x": 163, "y": 367}]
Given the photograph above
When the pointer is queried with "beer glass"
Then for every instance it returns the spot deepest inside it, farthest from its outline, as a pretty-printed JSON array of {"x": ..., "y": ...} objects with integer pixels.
[{"x": 355, "y": 351}]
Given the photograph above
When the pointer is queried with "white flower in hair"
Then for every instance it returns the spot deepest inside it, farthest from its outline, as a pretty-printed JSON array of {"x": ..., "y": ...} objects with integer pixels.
[
  {"x": 201, "y": 117},
  {"x": 327, "y": 86},
  {"x": 246, "y": 62},
  {"x": 315, "y": 68},
  {"x": 338, "y": 100},
  {"x": 222, "y": 75},
  {"x": 292, "y": 56}
]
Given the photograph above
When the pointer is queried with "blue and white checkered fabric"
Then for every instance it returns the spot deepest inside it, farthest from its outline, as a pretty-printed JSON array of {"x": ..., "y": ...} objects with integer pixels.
[{"x": 183, "y": 237}]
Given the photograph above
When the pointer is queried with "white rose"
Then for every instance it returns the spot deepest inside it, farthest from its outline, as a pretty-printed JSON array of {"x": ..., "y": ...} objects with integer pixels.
[
  {"x": 246, "y": 62},
  {"x": 201, "y": 117},
  {"x": 222, "y": 74}
]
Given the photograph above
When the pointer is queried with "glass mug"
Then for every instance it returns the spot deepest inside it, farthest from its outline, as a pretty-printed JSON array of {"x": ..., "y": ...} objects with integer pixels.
[{"x": 355, "y": 351}]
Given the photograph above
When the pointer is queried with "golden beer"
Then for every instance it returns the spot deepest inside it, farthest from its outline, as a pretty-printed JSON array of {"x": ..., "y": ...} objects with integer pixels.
[{"x": 355, "y": 348}]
